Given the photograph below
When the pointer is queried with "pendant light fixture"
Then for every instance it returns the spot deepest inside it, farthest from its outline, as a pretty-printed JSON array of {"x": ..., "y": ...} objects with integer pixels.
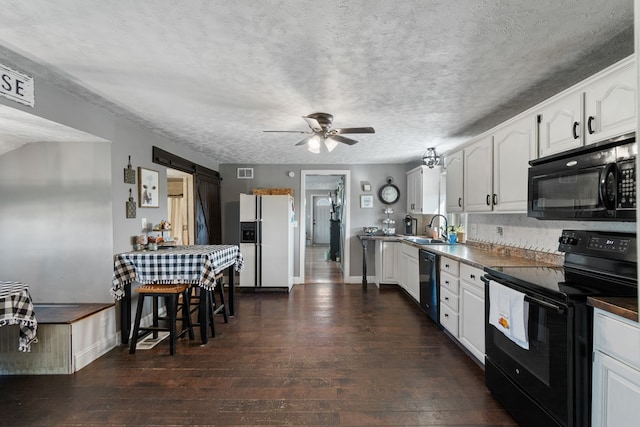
[{"x": 430, "y": 158}]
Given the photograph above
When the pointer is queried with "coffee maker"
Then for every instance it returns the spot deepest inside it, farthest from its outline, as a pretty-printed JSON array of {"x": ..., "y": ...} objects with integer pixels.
[{"x": 410, "y": 225}]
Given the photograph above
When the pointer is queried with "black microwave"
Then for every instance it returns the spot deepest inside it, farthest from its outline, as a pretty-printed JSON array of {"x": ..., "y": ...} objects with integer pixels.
[{"x": 592, "y": 183}]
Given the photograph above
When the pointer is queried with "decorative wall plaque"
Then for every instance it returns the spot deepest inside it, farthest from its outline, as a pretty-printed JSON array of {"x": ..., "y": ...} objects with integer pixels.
[
  {"x": 131, "y": 206},
  {"x": 129, "y": 174}
]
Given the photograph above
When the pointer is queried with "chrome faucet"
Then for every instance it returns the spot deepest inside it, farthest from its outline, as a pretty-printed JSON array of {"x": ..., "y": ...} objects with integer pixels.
[{"x": 445, "y": 223}]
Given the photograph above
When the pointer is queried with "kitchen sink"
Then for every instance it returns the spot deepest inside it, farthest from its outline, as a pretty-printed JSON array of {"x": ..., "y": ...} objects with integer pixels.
[{"x": 424, "y": 240}]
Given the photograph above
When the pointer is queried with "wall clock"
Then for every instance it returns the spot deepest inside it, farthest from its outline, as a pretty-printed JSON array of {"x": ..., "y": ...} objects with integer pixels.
[{"x": 389, "y": 193}]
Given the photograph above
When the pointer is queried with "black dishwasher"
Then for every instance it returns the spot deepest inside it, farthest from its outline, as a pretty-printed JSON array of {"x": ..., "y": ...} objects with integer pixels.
[{"x": 429, "y": 288}]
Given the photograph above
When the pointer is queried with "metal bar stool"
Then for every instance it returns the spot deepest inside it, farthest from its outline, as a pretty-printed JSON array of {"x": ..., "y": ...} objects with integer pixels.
[{"x": 171, "y": 294}]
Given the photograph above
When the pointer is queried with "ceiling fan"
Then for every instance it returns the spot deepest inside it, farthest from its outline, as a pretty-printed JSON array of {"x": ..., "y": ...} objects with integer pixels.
[{"x": 321, "y": 132}]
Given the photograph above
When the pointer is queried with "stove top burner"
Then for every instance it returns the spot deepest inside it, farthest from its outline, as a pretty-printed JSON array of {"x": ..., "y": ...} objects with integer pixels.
[{"x": 596, "y": 263}]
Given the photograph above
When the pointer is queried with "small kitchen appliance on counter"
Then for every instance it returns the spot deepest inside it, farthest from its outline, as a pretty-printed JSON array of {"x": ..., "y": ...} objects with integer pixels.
[{"x": 410, "y": 225}]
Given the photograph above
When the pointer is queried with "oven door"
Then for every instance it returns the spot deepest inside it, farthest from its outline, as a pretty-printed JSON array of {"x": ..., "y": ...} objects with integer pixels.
[{"x": 543, "y": 372}]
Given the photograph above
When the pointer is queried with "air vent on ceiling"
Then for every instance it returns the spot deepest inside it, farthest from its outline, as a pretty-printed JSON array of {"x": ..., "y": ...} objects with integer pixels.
[{"x": 245, "y": 173}]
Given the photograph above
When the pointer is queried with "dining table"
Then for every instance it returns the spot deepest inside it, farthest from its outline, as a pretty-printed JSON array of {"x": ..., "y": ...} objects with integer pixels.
[
  {"x": 197, "y": 265},
  {"x": 16, "y": 308}
]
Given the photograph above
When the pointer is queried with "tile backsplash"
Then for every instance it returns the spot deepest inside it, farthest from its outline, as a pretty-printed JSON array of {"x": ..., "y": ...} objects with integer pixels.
[{"x": 520, "y": 231}]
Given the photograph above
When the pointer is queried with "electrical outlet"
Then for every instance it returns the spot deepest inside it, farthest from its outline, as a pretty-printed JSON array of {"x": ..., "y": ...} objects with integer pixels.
[
  {"x": 144, "y": 223},
  {"x": 499, "y": 231}
]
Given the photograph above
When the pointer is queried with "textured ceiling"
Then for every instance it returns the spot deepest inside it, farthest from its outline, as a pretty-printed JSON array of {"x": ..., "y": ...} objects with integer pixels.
[{"x": 212, "y": 75}]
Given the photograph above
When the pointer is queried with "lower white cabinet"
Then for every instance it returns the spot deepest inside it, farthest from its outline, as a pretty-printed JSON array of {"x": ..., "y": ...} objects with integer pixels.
[
  {"x": 409, "y": 274},
  {"x": 471, "y": 328},
  {"x": 616, "y": 371},
  {"x": 387, "y": 262},
  {"x": 449, "y": 295}
]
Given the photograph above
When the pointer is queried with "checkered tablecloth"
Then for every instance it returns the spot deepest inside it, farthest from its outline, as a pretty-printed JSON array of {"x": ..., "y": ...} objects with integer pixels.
[
  {"x": 196, "y": 265},
  {"x": 16, "y": 308}
]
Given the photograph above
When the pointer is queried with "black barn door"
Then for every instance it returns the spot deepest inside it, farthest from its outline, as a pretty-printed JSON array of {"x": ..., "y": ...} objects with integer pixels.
[{"x": 207, "y": 210}]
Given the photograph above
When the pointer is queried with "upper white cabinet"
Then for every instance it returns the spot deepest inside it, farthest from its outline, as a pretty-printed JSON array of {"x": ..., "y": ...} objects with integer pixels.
[
  {"x": 610, "y": 104},
  {"x": 513, "y": 146},
  {"x": 454, "y": 167},
  {"x": 559, "y": 125},
  {"x": 478, "y": 189},
  {"x": 423, "y": 190},
  {"x": 601, "y": 107}
]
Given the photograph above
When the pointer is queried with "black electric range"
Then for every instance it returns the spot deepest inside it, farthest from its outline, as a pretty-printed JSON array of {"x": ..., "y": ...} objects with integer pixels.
[{"x": 550, "y": 382}]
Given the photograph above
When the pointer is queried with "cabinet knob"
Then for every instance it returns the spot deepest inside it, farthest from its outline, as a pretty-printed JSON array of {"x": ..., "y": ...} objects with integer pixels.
[
  {"x": 446, "y": 265},
  {"x": 446, "y": 282},
  {"x": 488, "y": 199},
  {"x": 459, "y": 202},
  {"x": 446, "y": 315},
  {"x": 473, "y": 276},
  {"x": 495, "y": 199},
  {"x": 446, "y": 298},
  {"x": 575, "y": 130}
]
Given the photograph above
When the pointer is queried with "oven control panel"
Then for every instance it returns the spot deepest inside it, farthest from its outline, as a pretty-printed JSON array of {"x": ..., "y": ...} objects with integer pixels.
[
  {"x": 609, "y": 244},
  {"x": 601, "y": 244}
]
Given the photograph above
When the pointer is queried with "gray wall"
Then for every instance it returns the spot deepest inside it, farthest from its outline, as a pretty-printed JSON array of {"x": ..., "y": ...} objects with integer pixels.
[
  {"x": 56, "y": 220},
  {"x": 275, "y": 176},
  {"x": 127, "y": 138}
]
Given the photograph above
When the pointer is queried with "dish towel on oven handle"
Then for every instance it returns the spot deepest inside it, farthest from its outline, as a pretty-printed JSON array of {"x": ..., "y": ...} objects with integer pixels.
[{"x": 509, "y": 313}]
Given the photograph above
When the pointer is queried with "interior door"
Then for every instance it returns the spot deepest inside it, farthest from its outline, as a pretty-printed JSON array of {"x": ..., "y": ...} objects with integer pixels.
[
  {"x": 321, "y": 217},
  {"x": 208, "y": 211}
]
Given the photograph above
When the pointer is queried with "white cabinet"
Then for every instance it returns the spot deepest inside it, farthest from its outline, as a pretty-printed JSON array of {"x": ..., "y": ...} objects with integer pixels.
[
  {"x": 616, "y": 371},
  {"x": 559, "y": 125},
  {"x": 409, "y": 272},
  {"x": 449, "y": 291},
  {"x": 496, "y": 168},
  {"x": 610, "y": 103},
  {"x": 387, "y": 262},
  {"x": 513, "y": 146},
  {"x": 601, "y": 107},
  {"x": 423, "y": 190},
  {"x": 454, "y": 167},
  {"x": 471, "y": 313},
  {"x": 478, "y": 160}
]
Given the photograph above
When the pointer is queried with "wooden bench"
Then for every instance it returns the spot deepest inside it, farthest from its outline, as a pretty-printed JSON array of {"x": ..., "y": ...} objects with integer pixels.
[{"x": 70, "y": 336}]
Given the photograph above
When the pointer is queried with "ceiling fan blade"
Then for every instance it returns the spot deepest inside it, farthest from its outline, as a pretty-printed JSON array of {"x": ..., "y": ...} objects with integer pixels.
[
  {"x": 354, "y": 130},
  {"x": 286, "y": 131},
  {"x": 343, "y": 139},
  {"x": 313, "y": 123},
  {"x": 304, "y": 141}
]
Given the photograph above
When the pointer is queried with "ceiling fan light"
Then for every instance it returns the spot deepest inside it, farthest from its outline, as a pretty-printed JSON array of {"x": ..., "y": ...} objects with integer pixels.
[
  {"x": 314, "y": 144},
  {"x": 330, "y": 144}
]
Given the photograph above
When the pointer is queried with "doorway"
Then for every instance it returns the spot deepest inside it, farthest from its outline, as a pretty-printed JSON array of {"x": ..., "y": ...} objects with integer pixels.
[
  {"x": 180, "y": 206},
  {"x": 330, "y": 190}
]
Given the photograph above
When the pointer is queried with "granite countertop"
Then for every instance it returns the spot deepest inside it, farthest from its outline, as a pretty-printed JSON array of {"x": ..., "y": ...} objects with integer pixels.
[
  {"x": 626, "y": 307},
  {"x": 470, "y": 254}
]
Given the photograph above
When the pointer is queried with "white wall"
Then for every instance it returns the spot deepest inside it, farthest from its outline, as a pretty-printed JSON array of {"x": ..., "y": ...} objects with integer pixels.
[{"x": 520, "y": 231}]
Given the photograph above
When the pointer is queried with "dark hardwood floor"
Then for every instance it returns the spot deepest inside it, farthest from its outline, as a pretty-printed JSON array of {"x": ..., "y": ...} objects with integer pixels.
[{"x": 325, "y": 354}]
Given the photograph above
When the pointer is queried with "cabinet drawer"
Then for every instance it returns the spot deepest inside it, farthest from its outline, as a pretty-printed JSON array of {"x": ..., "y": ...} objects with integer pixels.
[
  {"x": 617, "y": 337},
  {"x": 449, "y": 320},
  {"x": 450, "y": 266},
  {"x": 447, "y": 281},
  {"x": 472, "y": 275},
  {"x": 449, "y": 298}
]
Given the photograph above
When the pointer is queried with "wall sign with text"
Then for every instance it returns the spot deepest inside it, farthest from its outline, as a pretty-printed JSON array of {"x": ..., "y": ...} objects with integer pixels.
[{"x": 16, "y": 86}]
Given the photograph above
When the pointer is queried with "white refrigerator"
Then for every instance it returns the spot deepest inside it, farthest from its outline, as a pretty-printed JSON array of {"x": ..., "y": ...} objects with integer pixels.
[{"x": 266, "y": 241}]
